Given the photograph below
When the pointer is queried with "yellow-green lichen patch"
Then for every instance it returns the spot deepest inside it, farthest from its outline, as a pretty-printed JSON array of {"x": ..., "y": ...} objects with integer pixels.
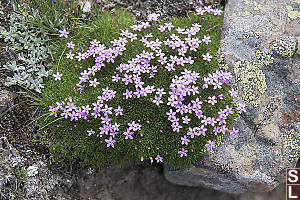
[
  {"x": 220, "y": 60},
  {"x": 257, "y": 6},
  {"x": 245, "y": 36},
  {"x": 293, "y": 144},
  {"x": 252, "y": 76},
  {"x": 289, "y": 8},
  {"x": 257, "y": 34},
  {"x": 291, "y": 13},
  {"x": 283, "y": 48},
  {"x": 271, "y": 26},
  {"x": 264, "y": 58},
  {"x": 244, "y": 13},
  {"x": 246, "y": 2}
]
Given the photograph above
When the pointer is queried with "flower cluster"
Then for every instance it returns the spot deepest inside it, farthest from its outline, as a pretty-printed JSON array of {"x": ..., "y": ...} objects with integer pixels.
[{"x": 181, "y": 96}]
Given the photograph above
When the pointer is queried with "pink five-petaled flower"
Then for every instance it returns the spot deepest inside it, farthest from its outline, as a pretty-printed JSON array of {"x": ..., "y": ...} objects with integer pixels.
[
  {"x": 157, "y": 100},
  {"x": 185, "y": 140},
  {"x": 162, "y": 28},
  {"x": 57, "y": 76},
  {"x": 241, "y": 108},
  {"x": 186, "y": 119},
  {"x": 63, "y": 33},
  {"x": 128, "y": 94},
  {"x": 119, "y": 111},
  {"x": 160, "y": 91},
  {"x": 206, "y": 39},
  {"x": 169, "y": 26},
  {"x": 217, "y": 12},
  {"x": 208, "y": 9},
  {"x": 233, "y": 133},
  {"x": 183, "y": 152},
  {"x": 91, "y": 132},
  {"x": 94, "y": 83},
  {"x": 210, "y": 145},
  {"x": 134, "y": 126},
  {"x": 207, "y": 57},
  {"x": 110, "y": 142},
  {"x": 191, "y": 132},
  {"x": 212, "y": 100},
  {"x": 128, "y": 134},
  {"x": 199, "y": 11},
  {"x": 71, "y": 45},
  {"x": 159, "y": 159},
  {"x": 233, "y": 92},
  {"x": 152, "y": 17},
  {"x": 70, "y": 55}
]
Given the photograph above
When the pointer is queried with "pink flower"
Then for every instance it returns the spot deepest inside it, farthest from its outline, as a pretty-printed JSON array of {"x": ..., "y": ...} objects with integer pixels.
[
  {"x": 220, "y": 96},
  {"x": 185, "y": 140},
  {"x": 91, "y": 132},
  {"x": 162, "y": 28},
  {"x": 212, "y": 100},
  {"x": 128, "y": 134},
  {"x": 208, "y": 9},
  {"x": 159, "y": 159},
  {"x": 94, "y": 83},
  {"x": 157, "y": 100},
  {"x": 63, "y": 33},
  {"x": 233, "y": 133},
  {"x": 57, "y": 76},
  {"x": 119, "y": 111},
  {"x": 70, "y": 55},
  {"x": 217, "y": 12},
  {"x": 202, "y": 130},
  {"x": 241, "y": 108},
  {"x": 152, "y": 17},
  {"x": 71, "y": 45},
  {"x": 233, "y": 93},
  {"x": 169, "y": 26},
  {"x": 192, "y": 132},
  {"x": 186, "y": 119},
  {"x": 110, "y": 142},
  {"x": 199, "y": 11},
  {"x": 210, "y": 145},
  {"x": 207, "y": 57},
  {"x": 183, "y": 152},
  {"x": 206, "y": 39},
  {"x": 180, "y": 30}
]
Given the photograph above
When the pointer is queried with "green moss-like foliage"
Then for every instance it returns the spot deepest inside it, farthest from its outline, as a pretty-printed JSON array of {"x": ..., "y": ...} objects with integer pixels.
[{"x": 69, "y": 140}]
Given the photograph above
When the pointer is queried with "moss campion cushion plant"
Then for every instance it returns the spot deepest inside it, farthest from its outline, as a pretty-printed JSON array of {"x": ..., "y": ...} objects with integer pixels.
[{"x": 130, "y": 92}]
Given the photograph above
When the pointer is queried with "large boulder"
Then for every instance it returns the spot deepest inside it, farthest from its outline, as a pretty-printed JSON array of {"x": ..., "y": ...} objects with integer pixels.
[{"x": 260, "y": 39}]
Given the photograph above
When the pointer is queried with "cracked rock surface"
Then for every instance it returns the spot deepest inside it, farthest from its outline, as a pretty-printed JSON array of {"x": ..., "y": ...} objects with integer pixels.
[{"x": 260, "y": 39}]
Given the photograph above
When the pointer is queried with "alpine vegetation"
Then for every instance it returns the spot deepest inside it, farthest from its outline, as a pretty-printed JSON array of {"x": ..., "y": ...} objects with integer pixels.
[
  {"x": 32, "y": 53},
  {"x": 132, "y": 92}
]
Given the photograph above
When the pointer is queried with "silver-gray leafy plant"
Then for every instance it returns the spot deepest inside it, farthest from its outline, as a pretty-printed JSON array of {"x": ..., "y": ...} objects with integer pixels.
[{"x": 30, "y": 46}]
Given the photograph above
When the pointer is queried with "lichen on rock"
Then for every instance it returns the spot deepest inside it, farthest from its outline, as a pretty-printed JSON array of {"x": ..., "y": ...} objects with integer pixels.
[
  {"x": 252, "y": 77},
  {"x": 283, "y": 47},
  {"x": 292, "y": 140}
]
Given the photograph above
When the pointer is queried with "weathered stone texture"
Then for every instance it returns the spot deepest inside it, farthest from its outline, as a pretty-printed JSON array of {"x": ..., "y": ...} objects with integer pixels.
[
  {"x": 6, "y": 100},
  {"x": 260, "y": 39}
]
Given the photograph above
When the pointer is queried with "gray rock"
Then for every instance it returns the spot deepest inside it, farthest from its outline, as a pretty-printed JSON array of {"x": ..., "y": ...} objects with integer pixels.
[
  {"x": 6, "y": 100},
  {"x": 260, "y": 39},
  {"x": 9, "y": 160}
]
